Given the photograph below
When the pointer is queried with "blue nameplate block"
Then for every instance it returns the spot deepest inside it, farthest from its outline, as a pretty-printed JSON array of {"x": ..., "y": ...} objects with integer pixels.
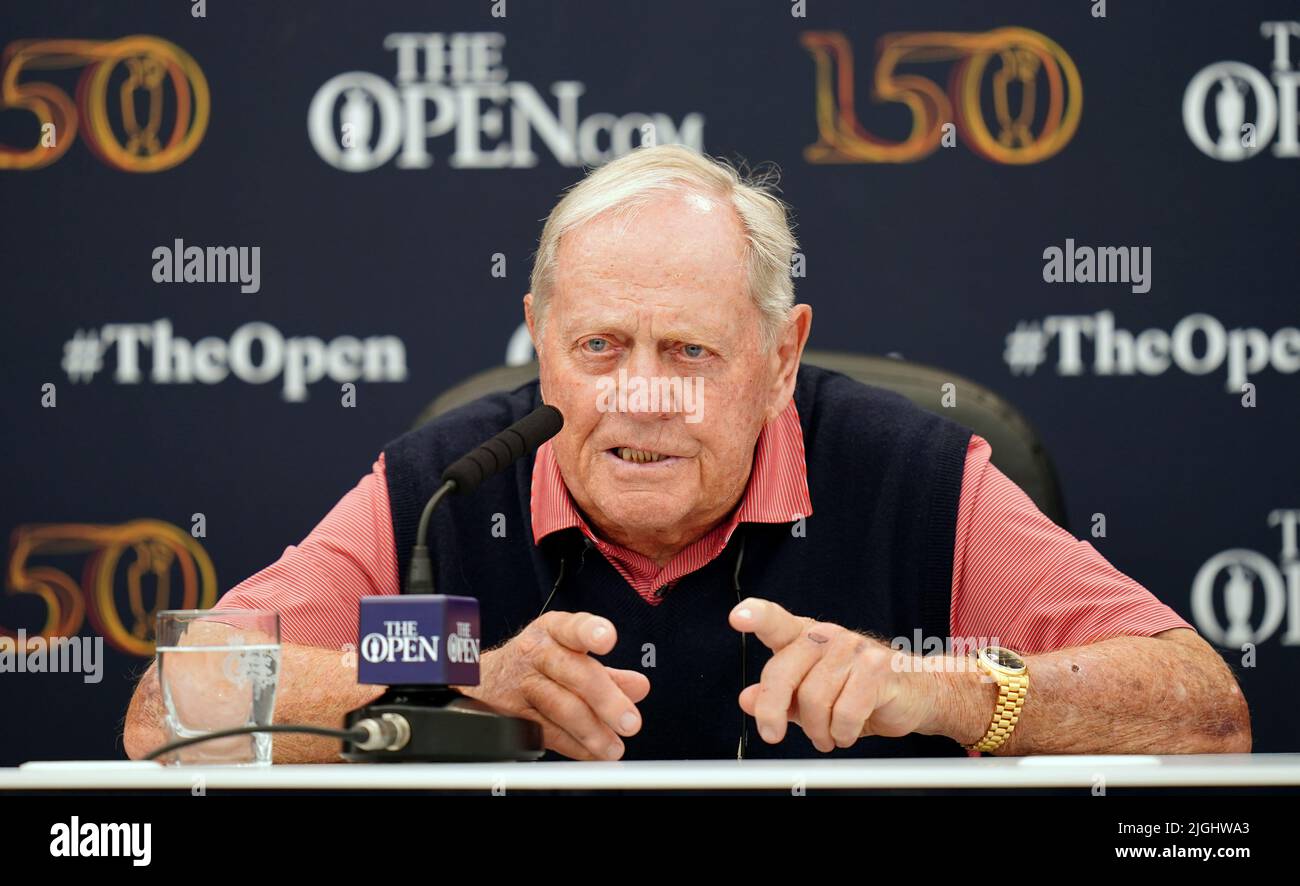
[{"x": 418, "y": 640}]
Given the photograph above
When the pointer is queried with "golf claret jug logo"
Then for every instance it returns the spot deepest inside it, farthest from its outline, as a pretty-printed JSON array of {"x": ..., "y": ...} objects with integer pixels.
[
  {"x": 456, "y": 85},
  {"x": 400, "y": 641},
  {"x": 1244, "y": 578},
  {"x": 121, "y": 576},
  {"x": 1244, "y": 108},
  {"x": 141, "y": 104},
  {"x": 1034, "y": 96},
  {"x": 418, "y": 639}
]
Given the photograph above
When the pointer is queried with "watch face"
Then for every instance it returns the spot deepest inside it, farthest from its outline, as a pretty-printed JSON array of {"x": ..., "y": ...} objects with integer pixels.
[{"x": 1003, "y": 658}]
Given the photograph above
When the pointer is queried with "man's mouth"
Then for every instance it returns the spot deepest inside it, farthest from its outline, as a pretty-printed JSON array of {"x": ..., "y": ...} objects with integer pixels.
[{"x": 640, "y": 456}]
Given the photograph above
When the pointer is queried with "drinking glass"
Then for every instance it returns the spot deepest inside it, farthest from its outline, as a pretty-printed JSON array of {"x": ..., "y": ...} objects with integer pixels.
[{"x": 218, "y": 669}]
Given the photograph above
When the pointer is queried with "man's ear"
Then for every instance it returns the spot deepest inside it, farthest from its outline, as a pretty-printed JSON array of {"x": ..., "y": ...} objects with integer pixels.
[
  {"x": 530, "y": 318},
  {"x": 786, "y": 354}
]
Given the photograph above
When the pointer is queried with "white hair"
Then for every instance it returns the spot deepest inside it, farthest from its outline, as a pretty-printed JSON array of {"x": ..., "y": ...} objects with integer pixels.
[{"x": 634, "y": 179}]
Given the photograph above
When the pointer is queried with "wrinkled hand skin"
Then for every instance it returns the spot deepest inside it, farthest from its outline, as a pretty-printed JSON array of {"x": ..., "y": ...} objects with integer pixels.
[
  {"x": 546, "y": 673},
  {"x": 1170, "y": 693},
  {"x": 836, "y": 684}
]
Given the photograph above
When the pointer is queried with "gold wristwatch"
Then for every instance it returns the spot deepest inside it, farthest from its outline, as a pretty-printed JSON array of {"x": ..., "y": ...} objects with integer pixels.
[{"x": 1012, "y": 676}]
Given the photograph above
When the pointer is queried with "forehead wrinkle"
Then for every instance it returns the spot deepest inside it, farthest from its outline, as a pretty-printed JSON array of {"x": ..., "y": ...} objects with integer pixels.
[
  {"x": 610, "y": 295},
  {"x": 673, "y": 328}
]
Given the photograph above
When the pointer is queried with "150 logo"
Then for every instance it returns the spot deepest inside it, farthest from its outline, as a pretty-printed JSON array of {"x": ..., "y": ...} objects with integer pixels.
[
  {"x": 150, "y": 65},
  {"x": 148, "y": 551},
  {"x": 1016, "y": 62}
]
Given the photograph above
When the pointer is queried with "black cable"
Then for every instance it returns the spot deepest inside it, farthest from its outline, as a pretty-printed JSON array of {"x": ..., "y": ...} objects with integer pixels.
[
  {"x": 563, "y": 560},
  {"x": 354, "y": 735},
  {"x": 422, "y": 532},
  {"x": 419, "y": 573}
]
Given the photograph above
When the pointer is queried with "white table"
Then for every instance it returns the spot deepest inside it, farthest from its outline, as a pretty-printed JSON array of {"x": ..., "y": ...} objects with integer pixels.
[{"x": 1043, "y": 772}]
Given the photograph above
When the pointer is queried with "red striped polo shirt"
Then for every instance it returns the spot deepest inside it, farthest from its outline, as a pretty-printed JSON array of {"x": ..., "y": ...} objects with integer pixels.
[
  {"x": 777, "y": 492},
  {"x": 1016, "y": 577}
]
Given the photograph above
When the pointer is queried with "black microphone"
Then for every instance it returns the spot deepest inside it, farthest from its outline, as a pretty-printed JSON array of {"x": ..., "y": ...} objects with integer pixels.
[
  {"x": 504, "y": 449},
  {"x": 466, "y": 473},
  {"x": 420, "y": 644}
]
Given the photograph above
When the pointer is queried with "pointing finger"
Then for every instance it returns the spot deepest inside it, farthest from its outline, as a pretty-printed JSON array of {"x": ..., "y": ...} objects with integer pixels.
[
  {"x": 770, "y": 622},
  {"x": 781, "y": 684}
]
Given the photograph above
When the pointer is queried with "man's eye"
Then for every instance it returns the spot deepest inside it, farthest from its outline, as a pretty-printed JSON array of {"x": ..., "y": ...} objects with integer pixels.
[
  {"x": 597, "y": 345},
  {"x": 694, "y": 351}
]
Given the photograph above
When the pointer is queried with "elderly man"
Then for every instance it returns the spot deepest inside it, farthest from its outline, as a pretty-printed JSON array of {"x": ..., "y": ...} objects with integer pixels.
[{"x": 623, "y": 569}]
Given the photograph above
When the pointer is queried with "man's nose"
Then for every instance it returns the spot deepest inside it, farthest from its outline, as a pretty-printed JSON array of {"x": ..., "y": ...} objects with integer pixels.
[{"x": 648, "y": 393}]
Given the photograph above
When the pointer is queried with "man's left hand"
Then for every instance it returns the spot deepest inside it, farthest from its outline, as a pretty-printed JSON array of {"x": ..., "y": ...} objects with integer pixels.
[{"x": 836, "y": 684}]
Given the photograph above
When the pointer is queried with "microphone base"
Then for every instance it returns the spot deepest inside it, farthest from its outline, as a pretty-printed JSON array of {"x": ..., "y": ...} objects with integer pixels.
[{"x": 446, "y": 727}]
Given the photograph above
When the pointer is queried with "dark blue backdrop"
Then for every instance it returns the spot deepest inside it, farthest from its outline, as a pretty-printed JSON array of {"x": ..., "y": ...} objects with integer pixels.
[{"x": 938, "y": 259}]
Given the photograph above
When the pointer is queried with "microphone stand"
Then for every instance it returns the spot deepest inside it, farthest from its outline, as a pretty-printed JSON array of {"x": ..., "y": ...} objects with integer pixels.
[{"x": 436, "y": 723}]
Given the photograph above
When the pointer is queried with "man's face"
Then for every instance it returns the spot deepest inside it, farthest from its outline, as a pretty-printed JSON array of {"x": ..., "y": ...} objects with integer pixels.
[{"x": 660, "y": 296}]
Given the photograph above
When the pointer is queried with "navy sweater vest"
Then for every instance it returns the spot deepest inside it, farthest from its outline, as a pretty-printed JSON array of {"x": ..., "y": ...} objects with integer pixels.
[{"x": 876, "y": 555}]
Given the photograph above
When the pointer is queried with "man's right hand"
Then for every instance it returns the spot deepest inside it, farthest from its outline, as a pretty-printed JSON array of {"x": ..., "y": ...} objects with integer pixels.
[{"x": 546, "y": 674}]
